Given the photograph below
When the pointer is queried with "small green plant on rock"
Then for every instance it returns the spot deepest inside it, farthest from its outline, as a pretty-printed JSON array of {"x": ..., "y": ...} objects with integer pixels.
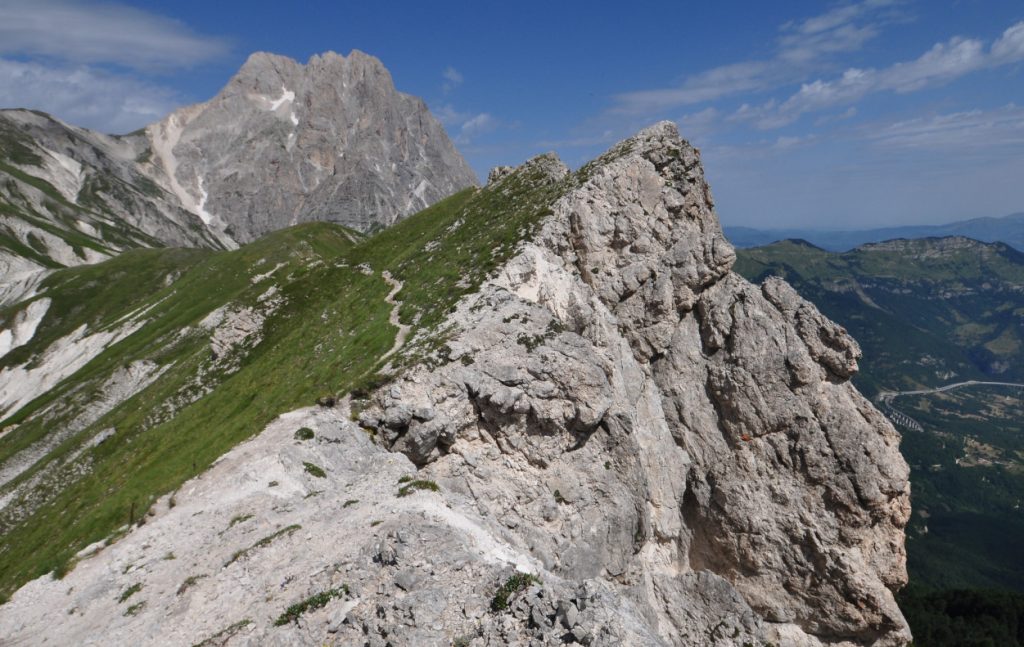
[
  {"x": 189, "y": 583},
  {"x": 287, "y": 530},
  {"x": 238, "y": 518},
  {"x": 130, "y": 591},
  {"x": 314, "y": 470},
  {"x": 413, "y": 486},
  {"x": 221, "y": 637},
  {"x": 512, "y": 587},
  {"x": 305, "y": 433},
  {"x": 311, "y": 603},
  {"x": 135, "y": 608}
]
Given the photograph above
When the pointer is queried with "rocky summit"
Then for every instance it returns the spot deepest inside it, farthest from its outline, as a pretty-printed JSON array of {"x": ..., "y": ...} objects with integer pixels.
[
  {"x": 282, "y": 144},
  {"x": 285, "y": 143},
  {"x": 595, "y": 433}
]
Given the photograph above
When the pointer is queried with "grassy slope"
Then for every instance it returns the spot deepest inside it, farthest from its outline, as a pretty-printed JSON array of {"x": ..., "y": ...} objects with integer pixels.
[{"x": 326, "y": 339}]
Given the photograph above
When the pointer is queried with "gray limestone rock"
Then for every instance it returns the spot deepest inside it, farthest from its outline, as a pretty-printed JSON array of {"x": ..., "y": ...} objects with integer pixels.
[
  {"x": 284, "y": 143},
  {"x": 700, "y": 433}
]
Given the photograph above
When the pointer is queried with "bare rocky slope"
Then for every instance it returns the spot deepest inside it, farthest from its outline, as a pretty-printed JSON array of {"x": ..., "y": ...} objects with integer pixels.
[
  {"x": 283, "y": 143},
  {"x": 613, "y": 440}
]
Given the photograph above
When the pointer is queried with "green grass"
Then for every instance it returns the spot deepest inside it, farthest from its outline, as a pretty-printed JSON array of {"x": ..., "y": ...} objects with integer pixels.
[
  {"x": 129, "y": 592},
  {"x": 314, "y": 470},
  {"x": 189, "y": 582},
  {"x": 512, "y": 587},
  {"x": 418, "y": 485},
  {"x": 221, "y": 637},
  {"x": 262, "y": 543},
  {"x": 313, "y": 602},
  {"x": 237, "y": 519},
  {"x": 305, "y": 433},
  {"x": 135, "y": 608},
  {"x": 326, "y": 338}
]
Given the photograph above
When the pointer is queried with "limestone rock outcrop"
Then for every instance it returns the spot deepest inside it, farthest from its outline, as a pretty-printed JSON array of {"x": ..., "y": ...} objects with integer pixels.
[{"x": 665, "y": 424}]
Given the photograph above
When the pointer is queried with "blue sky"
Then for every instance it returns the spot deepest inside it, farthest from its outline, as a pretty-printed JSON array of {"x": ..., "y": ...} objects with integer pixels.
[{"x": 812, "y": 114}]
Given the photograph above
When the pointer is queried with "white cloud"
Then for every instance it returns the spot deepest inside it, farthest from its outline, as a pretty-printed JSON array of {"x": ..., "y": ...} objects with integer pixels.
[
  {"x": 802, "y": 47},
  {"x": 849, "y": 113},
  {"x": 475, "y": 126},
  {"x": 82, "y": 32},
  {"x": 465, "y": 126},
  {"x": 1010, "y": 46},
  {"x": 786, "y": 142},
  {"x": 452, "y": 79},
  {"x": 943, "y": 63},
  {"x": 84, "y": 97},
  {"x": 960, "y": 132}
]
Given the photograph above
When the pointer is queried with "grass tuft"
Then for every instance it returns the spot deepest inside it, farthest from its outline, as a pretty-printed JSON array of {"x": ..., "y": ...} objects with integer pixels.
[
  {"x": 311, "y": 603},
  {"x": 314, "y": 470},
  {"x": 266, "y": 541},
  {"x": 129, "y": 592},
  {"x": 512, "y": 587},
  {"x": 413, "y": 486}
]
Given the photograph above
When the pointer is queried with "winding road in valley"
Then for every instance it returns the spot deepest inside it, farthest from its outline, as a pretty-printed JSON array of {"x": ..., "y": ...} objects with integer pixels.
[{"x": 887, "y": 396}]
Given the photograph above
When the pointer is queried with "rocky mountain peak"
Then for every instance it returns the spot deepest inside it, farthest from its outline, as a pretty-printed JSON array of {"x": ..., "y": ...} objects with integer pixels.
[
  {"x": 744, "y": 479},
  {"x": 285, "y": 143}
]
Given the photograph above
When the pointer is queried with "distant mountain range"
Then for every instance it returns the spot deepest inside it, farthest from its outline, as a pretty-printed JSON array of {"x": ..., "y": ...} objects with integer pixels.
[{"x": 1008, "y": 229}]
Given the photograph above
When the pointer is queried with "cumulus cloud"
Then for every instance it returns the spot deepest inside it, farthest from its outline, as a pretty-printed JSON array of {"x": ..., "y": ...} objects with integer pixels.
[
  {"x": 84, "y": 97},
  {"x": 83, "y": 32},
  {"x": 84, "y": 61}
]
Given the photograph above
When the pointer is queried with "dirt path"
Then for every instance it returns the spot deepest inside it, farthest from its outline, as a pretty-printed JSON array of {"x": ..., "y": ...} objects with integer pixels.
[{"x": 403, "y": 330}]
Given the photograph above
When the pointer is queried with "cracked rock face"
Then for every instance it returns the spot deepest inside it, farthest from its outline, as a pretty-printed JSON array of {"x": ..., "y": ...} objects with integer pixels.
[
  {"x": 285, "y": 143},
  {"x": 635, "y": 413}
]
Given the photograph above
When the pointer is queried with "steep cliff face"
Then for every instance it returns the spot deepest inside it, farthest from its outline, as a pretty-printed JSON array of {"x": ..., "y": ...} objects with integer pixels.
[
  {"x": 285, "y": 143},
  {"x": 673, "y": 455}
]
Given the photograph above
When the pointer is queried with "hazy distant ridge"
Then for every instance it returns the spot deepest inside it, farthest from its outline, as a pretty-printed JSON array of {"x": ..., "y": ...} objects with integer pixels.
[{"x": 1007, "y": 229}]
